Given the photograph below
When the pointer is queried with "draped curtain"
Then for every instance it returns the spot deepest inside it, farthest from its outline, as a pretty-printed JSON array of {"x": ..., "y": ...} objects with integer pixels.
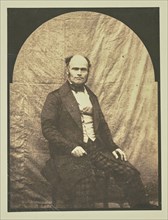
[{"x": 121, "y": 76}]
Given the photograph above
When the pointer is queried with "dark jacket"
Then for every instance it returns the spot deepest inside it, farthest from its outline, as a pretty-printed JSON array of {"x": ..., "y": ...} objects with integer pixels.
[{"x": 62, "y": 127}]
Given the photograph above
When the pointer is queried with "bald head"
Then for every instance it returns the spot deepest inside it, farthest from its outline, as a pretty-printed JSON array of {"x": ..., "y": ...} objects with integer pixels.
[
  {"x": 77, "y": 58},
  {"x": 77, "y": 68}
]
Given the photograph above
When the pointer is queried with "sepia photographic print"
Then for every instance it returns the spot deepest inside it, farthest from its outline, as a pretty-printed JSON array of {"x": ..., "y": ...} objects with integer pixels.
[{"x": 84, "y": 110}]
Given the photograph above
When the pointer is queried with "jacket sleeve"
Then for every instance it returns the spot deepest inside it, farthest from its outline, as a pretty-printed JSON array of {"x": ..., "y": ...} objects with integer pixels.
[
  {"x": 50, "y": 123},
  {"x": 105, "y": 132}
]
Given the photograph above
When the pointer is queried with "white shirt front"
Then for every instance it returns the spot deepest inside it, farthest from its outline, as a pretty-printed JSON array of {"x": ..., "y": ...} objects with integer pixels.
[{"x": 86, "y": 110}]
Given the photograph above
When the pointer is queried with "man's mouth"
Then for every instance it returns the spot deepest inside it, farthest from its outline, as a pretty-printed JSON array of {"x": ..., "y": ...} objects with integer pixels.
[{"x": 79, "y": 78}]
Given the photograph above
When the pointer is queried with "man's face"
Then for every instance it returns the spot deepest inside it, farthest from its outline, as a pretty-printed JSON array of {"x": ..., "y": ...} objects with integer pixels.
[{"x": 78, "y": 70}]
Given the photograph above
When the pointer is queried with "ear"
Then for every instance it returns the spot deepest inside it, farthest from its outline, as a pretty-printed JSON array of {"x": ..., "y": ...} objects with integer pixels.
[{"x": 66, "y": 71}]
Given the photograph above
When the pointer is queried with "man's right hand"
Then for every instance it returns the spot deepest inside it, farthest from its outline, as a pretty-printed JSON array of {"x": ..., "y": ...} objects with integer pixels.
[{"x": 78, "y": 151}]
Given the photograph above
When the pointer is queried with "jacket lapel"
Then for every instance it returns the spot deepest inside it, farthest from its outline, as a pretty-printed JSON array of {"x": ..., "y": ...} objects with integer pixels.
[
  {"x": 95, "y": 109},
  {"x": 70, "y": 103}
]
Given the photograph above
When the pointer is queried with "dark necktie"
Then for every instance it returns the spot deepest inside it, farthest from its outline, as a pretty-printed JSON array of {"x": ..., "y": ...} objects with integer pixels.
[{"x": 75, "y": 88}]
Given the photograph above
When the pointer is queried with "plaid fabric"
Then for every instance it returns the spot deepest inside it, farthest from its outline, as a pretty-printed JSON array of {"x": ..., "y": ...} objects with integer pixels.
[
  {"x": 84, "y": 193},
  {"x": 119, "y": 169},
  {"x": 126, "y": 176}
]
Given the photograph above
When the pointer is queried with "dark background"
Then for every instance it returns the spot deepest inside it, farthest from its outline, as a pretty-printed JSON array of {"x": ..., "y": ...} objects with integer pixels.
[{"x": 143, "y": 21}]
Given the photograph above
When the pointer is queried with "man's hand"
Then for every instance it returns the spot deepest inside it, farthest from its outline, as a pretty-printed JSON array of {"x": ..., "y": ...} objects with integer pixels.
[
  {"x": 119, "y": 153},
  {"x": 78, "y": 151}
]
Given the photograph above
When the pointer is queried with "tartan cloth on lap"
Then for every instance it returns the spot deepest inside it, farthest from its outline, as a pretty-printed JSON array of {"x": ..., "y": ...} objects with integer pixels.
[
  {"x": 82, "y": 193},
  {"x": 126, "y": 176}
]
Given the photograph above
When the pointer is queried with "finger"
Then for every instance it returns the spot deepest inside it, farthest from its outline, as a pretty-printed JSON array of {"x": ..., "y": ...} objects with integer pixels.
[
  {"x": 125, "y": 158},
  {"x": 79, "y": 153},
  {"x": 115, "y": 154},
  {"x": 85, "y": 152},
  {"x": 73, "y": 153},
  {"x": 121, "y": 153},
  {"x": 121, "y": 156},
  {"x": 76, "y": 153},
  {"x": 82, "y": 151}
]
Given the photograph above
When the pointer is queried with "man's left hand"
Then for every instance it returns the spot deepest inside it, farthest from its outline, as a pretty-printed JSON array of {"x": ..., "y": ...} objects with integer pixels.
[{"x": 119, "y": 153}]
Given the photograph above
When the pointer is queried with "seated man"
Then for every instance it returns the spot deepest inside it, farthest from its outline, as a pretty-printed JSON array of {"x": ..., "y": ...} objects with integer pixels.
[{"x": 80, "y": 141}]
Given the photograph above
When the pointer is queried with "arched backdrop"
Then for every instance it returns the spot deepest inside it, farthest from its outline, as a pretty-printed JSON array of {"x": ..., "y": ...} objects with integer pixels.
[{"x": 122, "y": 77}]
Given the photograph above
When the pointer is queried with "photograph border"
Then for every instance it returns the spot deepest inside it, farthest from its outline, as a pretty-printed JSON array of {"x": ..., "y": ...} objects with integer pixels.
[{"x": 6, "y": 215}]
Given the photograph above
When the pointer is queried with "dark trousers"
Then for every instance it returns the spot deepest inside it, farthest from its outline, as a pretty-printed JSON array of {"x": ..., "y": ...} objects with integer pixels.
[{"x": 126, "y": 176}]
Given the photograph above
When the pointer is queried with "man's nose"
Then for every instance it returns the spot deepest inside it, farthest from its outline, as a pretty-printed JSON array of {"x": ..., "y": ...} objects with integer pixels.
[{"x": 79, "y": 72}]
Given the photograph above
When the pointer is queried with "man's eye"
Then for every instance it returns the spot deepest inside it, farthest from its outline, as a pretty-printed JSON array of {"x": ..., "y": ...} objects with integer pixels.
[
  {"x": 75, "y": 68},
  {"x": 83, "y": 69}
]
